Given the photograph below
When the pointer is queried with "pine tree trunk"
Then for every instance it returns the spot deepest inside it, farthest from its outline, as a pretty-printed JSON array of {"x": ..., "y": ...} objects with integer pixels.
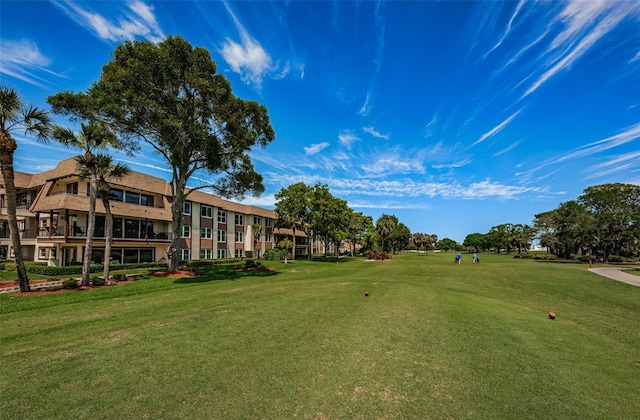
[{"x": 8, "y": 147}]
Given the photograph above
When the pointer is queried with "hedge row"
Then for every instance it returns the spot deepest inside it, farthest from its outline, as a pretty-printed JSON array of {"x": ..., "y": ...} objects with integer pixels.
[{"x": 54, "y": 271}]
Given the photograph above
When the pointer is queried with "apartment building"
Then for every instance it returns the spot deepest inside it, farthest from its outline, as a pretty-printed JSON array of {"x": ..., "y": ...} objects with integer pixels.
[{"x": 52, "y": 211}]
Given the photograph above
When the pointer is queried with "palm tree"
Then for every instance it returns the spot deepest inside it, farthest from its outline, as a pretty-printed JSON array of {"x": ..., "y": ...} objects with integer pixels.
[
  {"x": 106, "y": 170},
  {"x": 257, "y": 230},
  {"x": 385, "y": 226},
  {"x": 92, "y": 136},
  {"x": 14, "y": 114}
]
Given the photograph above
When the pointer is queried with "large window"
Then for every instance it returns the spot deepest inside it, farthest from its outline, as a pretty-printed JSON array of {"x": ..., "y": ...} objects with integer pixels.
[
  {"x": 239, "y": 237},
  {"x": 267, "y": 222},
  {"x": 132, "y": 228},
  {"x": 206, "y": 211},
  {"x": 268, "y": 238},
  {"x": 146, "y": 200},
  {"x": 239, "y": 219},
  {"x": 205, "y": 254},
  {"x": 222, "y": 253},
  {"x": 206, "y": 233},
  {"x": 238, "y": 253},
  {"x": 185, "y": 254},
  {"x": 115, "y": 194},
  {"x": 257, "y": 220},
  {"x": 72, "y": 188},
  {"x": 132, "y": 197},
  {"x": 187, "y": 207},
  {"x": 222, "y": 236},
  {"x": 222, "y": 216},
  {"x": 186, "y": 231}
]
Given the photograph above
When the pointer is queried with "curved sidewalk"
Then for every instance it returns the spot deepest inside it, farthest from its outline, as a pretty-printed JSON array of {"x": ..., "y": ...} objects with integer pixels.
[{"x": 617, "y": 274}]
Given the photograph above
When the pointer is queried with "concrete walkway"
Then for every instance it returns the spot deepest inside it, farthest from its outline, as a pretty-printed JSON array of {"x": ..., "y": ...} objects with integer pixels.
[{"x": 618, "y": 274}]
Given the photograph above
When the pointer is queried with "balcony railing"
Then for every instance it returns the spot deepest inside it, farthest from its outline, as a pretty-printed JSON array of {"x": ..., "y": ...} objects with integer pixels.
[
  {"x": 81, "y": 232},
  {"x": 20, "y": 205},
  {"x": 24, "y": 233}
]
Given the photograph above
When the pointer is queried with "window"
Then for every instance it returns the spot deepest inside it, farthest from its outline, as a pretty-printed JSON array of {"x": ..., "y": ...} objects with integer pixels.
[
  {"x": 187, "y": 207},
  {"x": 268, "y": 237},
  {"x": 205, "y": 254},
  {"x": 257, "y": 220},
  {"x": 206, "y": 233},
  {"x": 186, "y": 231},
  {"x": 267, "y": 222},
  {"x": 239, "y": 237},
  {"x": 185, "y": 254},
  {"x": 258, "y": 237},
  {"x": 239, "y": 219},
  {"x": 72, "y": 188},
  {"x": 146, "y": 200},
  {"x": 222, "y": 216},
  {"x": 206, "y": 211},
  {"x": 132, "y": 228},
  {"x": 222, "y": 253},
  {"x": 222, "y": 236},
  {"x": 43, "y": 253},
  {"x": 131, "y": 197},
  {"x": 238, "y": 253},
  {"x": 52, "y": 253},
  {"x": 115, "y": 195}
]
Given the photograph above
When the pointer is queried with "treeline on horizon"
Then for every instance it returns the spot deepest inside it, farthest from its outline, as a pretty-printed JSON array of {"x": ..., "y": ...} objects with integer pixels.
[{"x": 602, "y": 224}]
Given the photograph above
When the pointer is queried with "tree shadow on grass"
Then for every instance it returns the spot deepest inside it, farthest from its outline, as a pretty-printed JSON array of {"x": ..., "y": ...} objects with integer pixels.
[
  {"x": 332, "y": 259},
  {"x": 209, "y": 274}
]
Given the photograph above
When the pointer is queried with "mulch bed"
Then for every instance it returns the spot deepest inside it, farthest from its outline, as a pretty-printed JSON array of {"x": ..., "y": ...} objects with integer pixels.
[{"x": 34, "y": 292}]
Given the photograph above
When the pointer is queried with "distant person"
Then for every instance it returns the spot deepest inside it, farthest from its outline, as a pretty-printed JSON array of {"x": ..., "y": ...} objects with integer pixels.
[
  {"x": 475, "y": 258},
  {"x": 458, "y": 258}
]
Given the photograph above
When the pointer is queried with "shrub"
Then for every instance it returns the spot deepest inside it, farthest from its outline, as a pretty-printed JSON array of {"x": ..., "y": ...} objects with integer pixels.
[
  {"x": 118, "y": 277},
  {"x": 97, "y": 281},
  {"x": 70, "y": 284},
  {"x": 2, "y": 266},
  {"x": 545, "y": 256},
  {"x": 615, "y": 259},
  {"x": 276, "y": 254},
  {"x": 377, "y": 256}
]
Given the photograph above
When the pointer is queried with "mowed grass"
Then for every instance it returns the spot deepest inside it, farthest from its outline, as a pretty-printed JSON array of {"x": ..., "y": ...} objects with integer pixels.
[{"x": 432, "y": 340}]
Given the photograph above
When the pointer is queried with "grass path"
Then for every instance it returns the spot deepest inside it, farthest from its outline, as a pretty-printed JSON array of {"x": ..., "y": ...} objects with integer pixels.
[{"x": 432, "y": 340}]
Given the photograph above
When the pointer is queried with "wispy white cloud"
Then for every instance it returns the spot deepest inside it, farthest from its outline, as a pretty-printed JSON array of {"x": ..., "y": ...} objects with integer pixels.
[
  {"x": 315, "y": 148},
  {"x": 374, "y": 133},
  {"x": 347, "y": 138},
  {"x": 392, "y": 162},
  {"x": 364, "y": 110},
  {"x": 354, "y": 190},
  {"x": 630, "y": 134},
  {"x": 584, "y": 24},
  {"x": 251, "y": 61},
  {"x": 138, "y": 21},
  {"x": 247, "y": 58},
  {"x": 497, "y": 128},
  {"x": 506, "y": 149},
  {"x": 616, "y": 164},
  {"x": 508, "y": 29},
  {"x": 23, "y": 60}
]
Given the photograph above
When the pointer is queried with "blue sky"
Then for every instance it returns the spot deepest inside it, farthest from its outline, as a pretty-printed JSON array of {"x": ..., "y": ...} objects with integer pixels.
[{"x": 453, "y": 116}]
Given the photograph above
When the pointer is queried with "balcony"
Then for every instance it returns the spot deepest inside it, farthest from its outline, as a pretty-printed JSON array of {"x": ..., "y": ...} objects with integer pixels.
[
  {"x": 20, "y": 205},
  {"x": 81, "y": 232},
  {"x": 24, "y": 233}
]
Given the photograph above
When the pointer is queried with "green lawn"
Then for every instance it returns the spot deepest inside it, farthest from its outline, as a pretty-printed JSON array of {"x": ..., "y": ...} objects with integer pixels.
[{"x": 432, "y": 340}]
